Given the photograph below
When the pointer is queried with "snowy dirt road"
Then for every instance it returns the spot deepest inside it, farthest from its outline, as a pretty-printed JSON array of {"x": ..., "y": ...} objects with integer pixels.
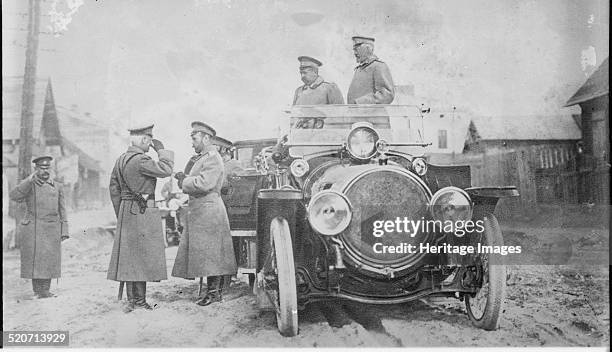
[{"x": 546, "y": 305}]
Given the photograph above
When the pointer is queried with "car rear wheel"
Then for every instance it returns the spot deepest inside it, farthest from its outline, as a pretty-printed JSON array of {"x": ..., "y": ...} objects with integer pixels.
[
  {"x": 484, "y": 308},
  {"x": 279, "y": 278}
]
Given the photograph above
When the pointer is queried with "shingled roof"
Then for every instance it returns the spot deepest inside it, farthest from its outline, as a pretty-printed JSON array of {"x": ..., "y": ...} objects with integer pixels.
[
  {"x": 553, "y": 127},
  {"x": 12, "y": 90},
  {"x": 595, "y": 86}
]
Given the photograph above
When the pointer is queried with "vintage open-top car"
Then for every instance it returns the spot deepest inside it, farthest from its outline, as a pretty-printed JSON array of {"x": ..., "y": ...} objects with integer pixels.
[{"x": 347, "y": 208}]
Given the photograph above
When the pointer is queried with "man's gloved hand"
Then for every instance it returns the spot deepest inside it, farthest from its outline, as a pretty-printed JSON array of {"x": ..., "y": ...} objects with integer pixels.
[
  {"x": 37, "y": 180},
  {"x": 64, "y": 237},
  {"x": 180, "y": 176},
  {"x": 157, "y": 144}
]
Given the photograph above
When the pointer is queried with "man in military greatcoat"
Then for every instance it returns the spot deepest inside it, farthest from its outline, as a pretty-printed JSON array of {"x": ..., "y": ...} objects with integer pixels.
[
  {"x": 316, "y": 90},
  {"x": 138, "y": 252},
  {"x": 42, "y": 228},
  {"x": 206, "y": 246},
  {"x": 372, "y": 82},
  {"x": 232, "y": 166}
]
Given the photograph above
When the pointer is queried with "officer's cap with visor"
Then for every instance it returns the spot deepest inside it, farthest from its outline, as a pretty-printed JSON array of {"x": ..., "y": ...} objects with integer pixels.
[
  {"x": 141, "y": 130},
  {"x": 307, "y": 61},
  {"x": 43, "y": 161},
  {"x": 198, "y": 126},
  {"x": 221, "y": 142},
  {"x": 358, "y": 40}
]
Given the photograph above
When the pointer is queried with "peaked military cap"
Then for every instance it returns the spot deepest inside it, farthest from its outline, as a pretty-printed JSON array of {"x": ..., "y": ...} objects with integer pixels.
[
  {"x": 199, "y": 126},
  {"x": 307, "y": 61},
  {"x": 43, "y": 160},
  {"x": 142, "y": 129},
  {"x": 358, "y": 40},
  {"x": 221, "y": 142}
]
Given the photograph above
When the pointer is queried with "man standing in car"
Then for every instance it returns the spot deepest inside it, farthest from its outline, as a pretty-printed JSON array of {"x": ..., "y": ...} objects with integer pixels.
[
  {"x": 138, "y": 252},
  {"x": 372, "y": 82},
  {"x": 315, "y": 91},
  {"x": 206, "y": 246}
]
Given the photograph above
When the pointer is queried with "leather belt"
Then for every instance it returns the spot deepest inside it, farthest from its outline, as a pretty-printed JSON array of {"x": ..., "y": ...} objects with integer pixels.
[
  {"x": 202, "y": 195},
  {"x": 150, "y": 200}
]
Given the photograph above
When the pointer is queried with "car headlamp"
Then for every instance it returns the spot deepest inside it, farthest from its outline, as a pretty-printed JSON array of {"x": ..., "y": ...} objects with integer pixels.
[
  {"x": 451, "y": 204},
  {"x": 299, "y": 167},
  {"x": 329, "y": 212},
  {"x": 419, "y": 166},
  {"x": 361, "y": 141}
]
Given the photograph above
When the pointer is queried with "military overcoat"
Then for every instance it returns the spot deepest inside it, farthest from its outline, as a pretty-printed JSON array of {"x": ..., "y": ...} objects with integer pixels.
[
  {"x": 318, "y": 93},
  {"x": 138, "y": 250},
  {"x": 41, "y": 228},
  {"x": 206, "y": 247},
  {"x": 372, "y": 84}
]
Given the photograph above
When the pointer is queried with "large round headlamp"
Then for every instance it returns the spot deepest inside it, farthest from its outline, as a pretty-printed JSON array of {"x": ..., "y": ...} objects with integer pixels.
[
  {"x": 452, "y": 206},
  {"x": 329, "y": 212},
  {"x": 361, "y": 141},
  {"x": 419, "y": 166},
  {"x": 299, "y": 167}
]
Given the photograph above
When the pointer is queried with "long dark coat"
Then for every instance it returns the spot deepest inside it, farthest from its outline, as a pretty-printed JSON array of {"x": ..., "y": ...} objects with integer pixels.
[
  {"x": 372, "y": 84},
  {"x": 139, "y": 250},
  {"x": 206, "y": 247},
  {"x": 41, "y": 228}
]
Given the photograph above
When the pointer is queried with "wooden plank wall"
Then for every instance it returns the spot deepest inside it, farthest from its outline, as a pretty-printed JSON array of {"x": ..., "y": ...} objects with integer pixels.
[{"x": 519, "y": 167}]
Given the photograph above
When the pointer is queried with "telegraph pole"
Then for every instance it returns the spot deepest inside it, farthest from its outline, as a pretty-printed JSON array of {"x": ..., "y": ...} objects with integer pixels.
[
  {"x": 29, "y": 87},
  {"x": 27, "y": 97}
]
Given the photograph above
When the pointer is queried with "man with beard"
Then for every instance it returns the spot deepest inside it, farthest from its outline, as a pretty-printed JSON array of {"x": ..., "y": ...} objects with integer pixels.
[
  {"x": 206, "y": 246},
  {"x": 138, "y": 252},
  {"x": 372, "y": 82},
  {"x": 43, "y": 227},
  {"x": 315, "y": 90}
]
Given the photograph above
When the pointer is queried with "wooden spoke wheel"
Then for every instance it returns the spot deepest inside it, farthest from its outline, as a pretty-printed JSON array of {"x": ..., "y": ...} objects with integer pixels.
[
  {"x": 279, "y": 278},
  {"x": 484, "y": 308}
]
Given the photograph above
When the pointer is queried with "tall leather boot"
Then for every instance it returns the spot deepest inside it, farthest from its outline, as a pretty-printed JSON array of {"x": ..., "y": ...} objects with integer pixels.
[
  {"x": 227, "y": 280},
  {"x": 140, "y": 295},
  {"x": 45, "y": 287},
  {"x": 36, "y": 286},
  {"x": 41, "y": 287},
  {"x": 213, "y": 291},
  {"x": 129, "y": 287}
]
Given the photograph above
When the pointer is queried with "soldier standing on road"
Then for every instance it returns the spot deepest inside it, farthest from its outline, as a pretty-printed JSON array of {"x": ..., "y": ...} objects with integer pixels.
[
  {"x": 206, "y": 246},
  {"x": 43, "y": 227},
  {"x": 372, "y": 82},
  {"x": 138, "y": 251},
  {"x": 315, "y": 90}
]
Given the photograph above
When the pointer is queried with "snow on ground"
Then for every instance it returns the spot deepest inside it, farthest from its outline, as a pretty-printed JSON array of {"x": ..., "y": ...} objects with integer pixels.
[{"x": 546, "y": 305}]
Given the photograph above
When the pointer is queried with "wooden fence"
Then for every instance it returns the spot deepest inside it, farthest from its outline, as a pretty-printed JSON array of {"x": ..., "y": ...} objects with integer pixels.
[{"x": 542, "y": 175}]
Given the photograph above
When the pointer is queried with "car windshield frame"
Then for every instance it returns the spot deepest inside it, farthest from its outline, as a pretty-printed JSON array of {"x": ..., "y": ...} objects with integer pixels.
[{"x": 315, "y": 128}]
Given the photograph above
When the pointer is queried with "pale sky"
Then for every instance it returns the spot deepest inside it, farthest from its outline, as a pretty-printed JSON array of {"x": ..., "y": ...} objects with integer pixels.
[{"x": 232, "y": 63}]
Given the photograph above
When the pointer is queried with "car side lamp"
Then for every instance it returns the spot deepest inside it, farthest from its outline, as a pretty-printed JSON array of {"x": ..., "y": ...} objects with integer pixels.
[
  {"x": 338, "y": 246},
  {"x": 419, "y": 166},
  {"x": 382, "y": 147}
]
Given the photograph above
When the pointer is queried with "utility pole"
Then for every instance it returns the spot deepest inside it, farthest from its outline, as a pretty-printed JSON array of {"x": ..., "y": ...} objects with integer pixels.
[{"x": 27, "y": 98}]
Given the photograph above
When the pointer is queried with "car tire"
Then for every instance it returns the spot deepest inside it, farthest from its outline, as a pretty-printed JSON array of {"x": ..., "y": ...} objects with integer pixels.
[
  {"x": 287, "y": 310},
  {"x": 489, "y": 303}
]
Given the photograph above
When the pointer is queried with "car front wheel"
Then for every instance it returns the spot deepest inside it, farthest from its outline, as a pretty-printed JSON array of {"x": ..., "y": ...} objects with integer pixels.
[
  {"x": 485, "y": 307},
  {"x": 279, "y": 278}
]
